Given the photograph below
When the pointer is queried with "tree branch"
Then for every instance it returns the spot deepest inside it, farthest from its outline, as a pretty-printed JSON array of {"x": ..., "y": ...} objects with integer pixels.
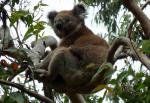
[
  {"x": 134, "y": 20},
  {"x": 139, "y": 15},
  {"x": 126, "y": 42},
  {"x": 31, "y": 93},
  {"x": 125, "y": 54},
  {"x": 2, "y": 4}
]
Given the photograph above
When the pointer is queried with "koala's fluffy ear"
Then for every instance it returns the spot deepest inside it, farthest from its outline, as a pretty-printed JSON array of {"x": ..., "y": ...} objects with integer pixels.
[
  {"x": 80, "y": 10},
  {"x": 51, "y": 15}
]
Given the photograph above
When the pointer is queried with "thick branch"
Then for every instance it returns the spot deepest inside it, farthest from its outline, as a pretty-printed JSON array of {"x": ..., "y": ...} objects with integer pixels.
[
  {"x": 125, "y": 54},
  {"x": 126, "y": 42},
  {"x": 31, "y": 93},
  {"x": 6, "y": 38},
  {"x": 139, "y": 15},
  {"x": 134, "y": 20}
]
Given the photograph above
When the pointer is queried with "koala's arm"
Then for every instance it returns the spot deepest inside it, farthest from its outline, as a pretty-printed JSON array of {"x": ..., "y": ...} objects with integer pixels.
[{"x": 45, "y": 62}]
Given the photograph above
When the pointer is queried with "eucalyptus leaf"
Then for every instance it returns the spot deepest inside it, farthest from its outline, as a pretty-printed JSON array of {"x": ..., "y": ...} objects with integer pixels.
[
  {"x": 18, "y": 97},
  {"x": 146, "y": 46}
]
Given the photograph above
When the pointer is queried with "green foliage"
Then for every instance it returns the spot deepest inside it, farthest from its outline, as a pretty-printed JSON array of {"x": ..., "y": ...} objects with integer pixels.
[
  {"x": 39, "y": 5},
  {"x": 5, "y": 74},
  {"x": 30, "y": 19},
  {"x": 131, "y": 86},
  {"x": 146, "y": 46},
  {"x": 21, "y": 15},
  {"x": 13, "y": 97},
  {"x": 34, "y": 30},
  {"x": 16, "y": 15},
  {"x": 66, "y": 99},
  {"x": 20, "y": 54},
  {"x": 93, "y": 99}
]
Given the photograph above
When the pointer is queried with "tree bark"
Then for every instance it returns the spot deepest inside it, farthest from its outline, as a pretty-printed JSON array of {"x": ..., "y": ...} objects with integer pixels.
[
  {"x": 31, "y": 93},
  {"x": 139, "y": 15},
  {"x": 126, "y": 42}
]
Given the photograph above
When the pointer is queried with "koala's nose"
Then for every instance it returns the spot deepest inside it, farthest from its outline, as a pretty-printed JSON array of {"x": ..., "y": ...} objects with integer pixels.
[{"x": 59, "y": 24}]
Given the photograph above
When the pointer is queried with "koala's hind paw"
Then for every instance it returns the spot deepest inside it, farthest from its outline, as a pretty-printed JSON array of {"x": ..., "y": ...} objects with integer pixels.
[{"x": 41, "y": 73}]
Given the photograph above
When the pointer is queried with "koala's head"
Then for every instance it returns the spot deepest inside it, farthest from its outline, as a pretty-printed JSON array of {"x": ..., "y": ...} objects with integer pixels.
[{"x": 65, "y": 22}]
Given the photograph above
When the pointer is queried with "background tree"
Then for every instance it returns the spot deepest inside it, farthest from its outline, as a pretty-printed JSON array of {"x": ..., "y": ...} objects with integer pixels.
[{"x": 122, "y": 18}]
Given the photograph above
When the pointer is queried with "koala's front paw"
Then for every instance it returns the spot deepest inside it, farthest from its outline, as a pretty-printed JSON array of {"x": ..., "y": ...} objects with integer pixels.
[{"x": 40, "y": 73}]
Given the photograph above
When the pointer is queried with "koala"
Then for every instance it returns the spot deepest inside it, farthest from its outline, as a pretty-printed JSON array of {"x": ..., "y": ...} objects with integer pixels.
[{"x": 79, "y": 54}]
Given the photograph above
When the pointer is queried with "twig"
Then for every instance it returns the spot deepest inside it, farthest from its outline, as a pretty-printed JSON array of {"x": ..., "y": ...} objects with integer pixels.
[
  {"x": 16, "y": 30},
  {"x": 2, "y": 4},
  {"x": 33, "y": 79},
  {"x": 31, "y": 93}
]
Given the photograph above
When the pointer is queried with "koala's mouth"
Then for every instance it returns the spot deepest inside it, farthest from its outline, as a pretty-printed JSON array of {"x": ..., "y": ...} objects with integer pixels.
[{"x": 60, "y": 30}]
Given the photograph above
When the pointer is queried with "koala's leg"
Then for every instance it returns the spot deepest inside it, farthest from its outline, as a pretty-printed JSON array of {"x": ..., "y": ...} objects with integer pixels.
[
  {"x": 54, "y": 64},
  {"x": 41, "y": 68},
  {"x": 58, "y": 62},
  {"x": 66, "y": 65}
]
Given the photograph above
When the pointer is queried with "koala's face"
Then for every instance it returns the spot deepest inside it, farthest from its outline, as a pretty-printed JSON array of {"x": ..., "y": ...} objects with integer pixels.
[{"x": 65, "y": 22}]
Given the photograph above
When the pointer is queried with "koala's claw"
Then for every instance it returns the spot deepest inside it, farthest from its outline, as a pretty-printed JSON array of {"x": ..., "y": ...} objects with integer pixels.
[{"x": 41, "y": 73}]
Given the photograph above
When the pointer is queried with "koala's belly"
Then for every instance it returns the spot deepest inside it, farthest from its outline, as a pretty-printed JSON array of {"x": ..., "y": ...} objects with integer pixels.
[{"x": 94, "y": 54}]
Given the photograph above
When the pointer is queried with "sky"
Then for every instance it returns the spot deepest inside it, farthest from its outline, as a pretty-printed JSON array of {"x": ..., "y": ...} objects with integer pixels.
[{"x": 59, "y": 5}]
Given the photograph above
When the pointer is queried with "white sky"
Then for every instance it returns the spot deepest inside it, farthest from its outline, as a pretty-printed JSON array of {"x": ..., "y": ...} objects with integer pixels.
[{"x": 59, "y": 5}]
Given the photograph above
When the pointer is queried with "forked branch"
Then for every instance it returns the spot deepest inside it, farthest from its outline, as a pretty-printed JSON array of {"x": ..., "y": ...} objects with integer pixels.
[{"x": 126, "y": 42}]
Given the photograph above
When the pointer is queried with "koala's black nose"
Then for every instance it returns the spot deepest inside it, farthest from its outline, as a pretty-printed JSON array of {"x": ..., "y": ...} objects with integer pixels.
[{"x": 59, "y": 24}]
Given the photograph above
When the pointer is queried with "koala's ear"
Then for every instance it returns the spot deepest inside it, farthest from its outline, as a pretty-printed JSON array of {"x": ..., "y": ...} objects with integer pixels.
[
  {"x": 51, "y": 15},
  {"x": 80, "y": 10}
]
